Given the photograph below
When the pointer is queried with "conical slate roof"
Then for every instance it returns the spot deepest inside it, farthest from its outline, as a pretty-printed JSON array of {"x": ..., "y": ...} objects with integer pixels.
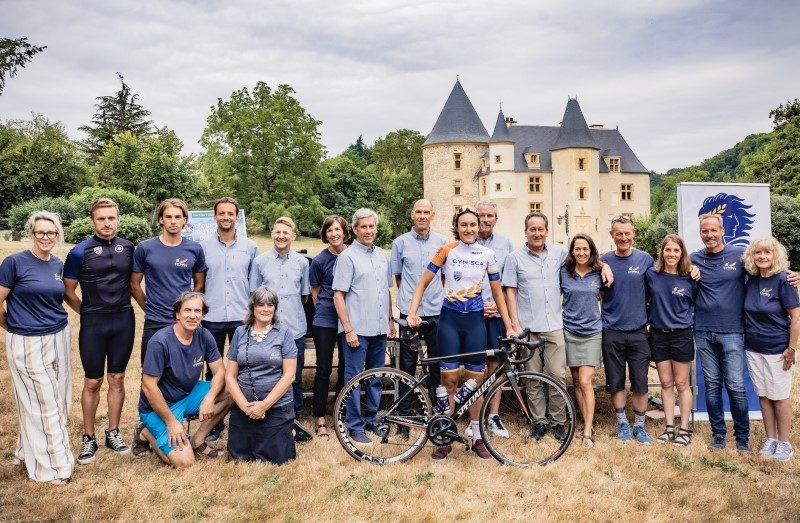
[
  {"x": 458, "y": 121},
  {"x": 500, "y": 133},
  {"x": 574, "y": 132}
]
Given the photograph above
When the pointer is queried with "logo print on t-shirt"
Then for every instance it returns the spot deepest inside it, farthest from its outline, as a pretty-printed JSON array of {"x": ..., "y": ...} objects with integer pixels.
[
  {"x": 57, "y": 276},
  {"x": 182, "y": 262},
  {"x": 98, "y": 250},
  {"x": 729, "y": 266},
  {"x": 767, "y": 293},
  {"x": 197, "y": 362},
  {"x": 118, "y": 248},
  {"x": 633, "y": 269},
  {"x": 678, "y": 291},
  {"x": 457, "y": 275}
]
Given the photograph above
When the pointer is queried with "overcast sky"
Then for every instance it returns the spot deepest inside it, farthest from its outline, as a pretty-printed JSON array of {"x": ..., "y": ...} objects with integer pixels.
[{"x": 682, "y": 79}]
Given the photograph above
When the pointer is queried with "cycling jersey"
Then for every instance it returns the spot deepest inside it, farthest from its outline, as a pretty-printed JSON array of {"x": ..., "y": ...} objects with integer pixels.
[
  {"x": 464, "y": 267},
  {"x": 103, "y": 268}
]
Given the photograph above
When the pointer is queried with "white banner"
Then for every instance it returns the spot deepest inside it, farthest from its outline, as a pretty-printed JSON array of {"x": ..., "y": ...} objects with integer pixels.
[{"x": 745, "y": 209}]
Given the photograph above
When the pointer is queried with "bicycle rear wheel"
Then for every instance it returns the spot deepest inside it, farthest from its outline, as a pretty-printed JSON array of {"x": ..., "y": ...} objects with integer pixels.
[
  {"x": 386, "y": 416},
  {"x": 516, "y": 446}
]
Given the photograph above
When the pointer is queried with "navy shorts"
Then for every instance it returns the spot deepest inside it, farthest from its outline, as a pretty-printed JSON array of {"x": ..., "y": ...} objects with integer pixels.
[
  {"x": 106, "y": 341},
  {"x": 459, "y": 333}
]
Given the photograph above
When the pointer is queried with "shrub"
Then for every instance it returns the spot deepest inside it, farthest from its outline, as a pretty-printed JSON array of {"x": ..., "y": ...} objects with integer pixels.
[
  {"x": 133, "y": 228},
  {"x": 129, "y": 204},
  {"x": 18, "y": 214}
]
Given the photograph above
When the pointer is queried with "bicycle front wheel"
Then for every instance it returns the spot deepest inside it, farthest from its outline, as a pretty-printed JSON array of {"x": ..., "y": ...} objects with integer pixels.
[
  {"x": 385, "y": 407},
  {"x": 529, "y": 399}
]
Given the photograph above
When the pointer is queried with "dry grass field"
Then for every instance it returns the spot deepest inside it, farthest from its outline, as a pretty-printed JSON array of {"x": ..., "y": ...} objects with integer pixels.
[{"x": 610, "y": 482}]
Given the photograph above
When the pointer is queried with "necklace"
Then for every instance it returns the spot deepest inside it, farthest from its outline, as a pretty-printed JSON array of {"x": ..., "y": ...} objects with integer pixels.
[
  {"x": 255, "y": 336},
  {"x": 259, "y": 336}
]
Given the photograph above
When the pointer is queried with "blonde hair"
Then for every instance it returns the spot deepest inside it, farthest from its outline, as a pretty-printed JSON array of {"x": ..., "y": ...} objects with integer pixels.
[
  {"x": 102, "y": 203},
  {"x": 51, "y": 217},
  {"x": 284, "y": 220},
  {"x": 780, "y": 258}
]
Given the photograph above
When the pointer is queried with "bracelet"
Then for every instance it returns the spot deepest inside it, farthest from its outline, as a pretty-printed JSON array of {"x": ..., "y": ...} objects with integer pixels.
[
  {"x": 348, "y": 332},
  {"x": 792, "y": 348}
]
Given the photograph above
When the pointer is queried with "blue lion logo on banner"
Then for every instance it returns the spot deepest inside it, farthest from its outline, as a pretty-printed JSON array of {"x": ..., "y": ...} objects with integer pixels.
[{"x": 735, "y": 218}]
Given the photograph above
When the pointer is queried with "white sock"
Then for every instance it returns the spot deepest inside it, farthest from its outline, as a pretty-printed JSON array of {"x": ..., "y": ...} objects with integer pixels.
[{"x": 476, "y": 430}]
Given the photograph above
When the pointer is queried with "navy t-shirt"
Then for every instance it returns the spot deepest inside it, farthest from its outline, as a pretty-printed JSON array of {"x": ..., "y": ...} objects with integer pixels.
[
  {"x": 720, "y": 291},
  {"x": 580, "y": 308},
  {"x": 103, "y": 268},
  {"x": 320, "y": 274},
  {"x": 168, "y": 271},
  {"x": 178, "y": 366},
  {"x": 767, "y": 323},
  {"x": 624, "y": 302},
  {"x": 671, "y": 298},
  {"x": 34, "y": 305},
  {"x": 261, "y": 362}
]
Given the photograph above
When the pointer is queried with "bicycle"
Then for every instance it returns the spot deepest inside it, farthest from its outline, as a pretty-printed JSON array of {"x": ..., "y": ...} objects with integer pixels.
[{"x": 425, "y": 421}]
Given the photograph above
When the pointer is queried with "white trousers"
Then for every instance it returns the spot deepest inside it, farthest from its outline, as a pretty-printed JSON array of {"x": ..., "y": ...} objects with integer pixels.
[{"x": 41, "y": 375}]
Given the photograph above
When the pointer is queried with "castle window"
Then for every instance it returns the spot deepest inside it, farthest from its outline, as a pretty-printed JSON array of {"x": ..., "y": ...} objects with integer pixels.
[
  {"x": 626, "y": 192},
  {"x": 457, "y": 160},
  {"x": 457, "y": 187},
  {"x": 583, "y": 191},
  {"x": 613, "y": 165},
  {"x": 496, "y": 158},
  {"x": 534, "y": 158},
  {"x": 498, "y": 187},
  {"x": 534, "y": 206},
  {"x": 581, "y": 164},
  {"x": 483, "y": 186},
  {"x": 534, "y": 184}
]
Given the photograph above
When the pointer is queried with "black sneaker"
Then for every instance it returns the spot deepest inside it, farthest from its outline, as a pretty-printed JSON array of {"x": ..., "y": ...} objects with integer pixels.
[
  {"x": 538, "y": 431},
  {"x": 216, "y": 432},
  {"x": 88, "y": 450},
  {"x": 560, "y": 433},
  {"x": 403, "y": 433},
  {"x": 115, "y": 443}
]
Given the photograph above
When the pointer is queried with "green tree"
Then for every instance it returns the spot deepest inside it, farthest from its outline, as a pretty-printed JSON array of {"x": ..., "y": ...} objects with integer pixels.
[
  {"x": 785, "y": 219},
  {"x": 359, "y": 153},
  {"x": 664, "y": 196},
  {"x": 398, "y": 160},
  {"x": 785, "y": 112},
  {"x": 38, "y": 159},
  {"x": 349, "y": 187},
  {"x": 271, "y": 150},
  {"x": 115, "y": 114},
  {"x": 15, "y": 54}
]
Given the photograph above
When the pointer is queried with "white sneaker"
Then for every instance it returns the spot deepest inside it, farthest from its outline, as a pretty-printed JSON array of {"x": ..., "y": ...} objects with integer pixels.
[
  {"x": 496, "y": 426},
  {"x": 783, "y": 451},
  {"x": 468, "y": 432},
  {"x": 768, "y": 448}
]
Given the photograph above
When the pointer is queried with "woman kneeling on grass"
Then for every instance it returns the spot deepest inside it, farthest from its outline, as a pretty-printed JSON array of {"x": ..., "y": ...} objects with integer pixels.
[
  {"x": 771, "y": 329},
  {"x": 671, "y": 294},
  {"x": 259, "y": 372}
]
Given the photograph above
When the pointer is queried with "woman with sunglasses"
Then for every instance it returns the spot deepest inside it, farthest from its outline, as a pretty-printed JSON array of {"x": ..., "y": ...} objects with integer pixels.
[
  {"x": 464, "y": 264},
  {"x": 38, "y": 350},
  {"x": 259, "y": 372}
]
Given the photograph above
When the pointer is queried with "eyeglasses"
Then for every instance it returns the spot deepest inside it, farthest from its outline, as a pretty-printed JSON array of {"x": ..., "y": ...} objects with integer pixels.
[
  {"x": 622, "y": 218},
  {"x": 52, "y": 235},
  {"x": 466, "y": 208}
]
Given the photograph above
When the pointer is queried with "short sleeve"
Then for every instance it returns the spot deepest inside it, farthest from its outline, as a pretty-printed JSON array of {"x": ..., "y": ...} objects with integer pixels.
[
  {"x": 233, "y": 350},
  {"x": 140, "y": 258},
  {"x": 510, "y": 272},
  {"x": 209, "y": 346},
  {"x": 156, "y": 358},
  {"x": 491, "y": 263},
  {"x": 255, "y": 275},
  {"x": 8, "y": 272},
  {"x": 72, "y": 266},
  {"x": 389, "y": 276},
  {"x": 396, "y": 262},
  {"x": 199, "y": 260},
  {"x": 315, "y": 273},
  {"x": 789, "y": 297},
  {"x": 304, "y": 285},
  {"x": 649, "y": 262},
  {"x": 343, "y": 273},
  {"x": 288, "y": 347}
]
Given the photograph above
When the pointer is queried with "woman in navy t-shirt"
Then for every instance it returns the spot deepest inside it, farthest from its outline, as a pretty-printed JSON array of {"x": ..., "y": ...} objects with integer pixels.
[
  {"x": 671, "y": 292},
  {"x": 324, "y": 326},
  {"x": 38, "y": 350},
  {"x": 771, "y": 328}
]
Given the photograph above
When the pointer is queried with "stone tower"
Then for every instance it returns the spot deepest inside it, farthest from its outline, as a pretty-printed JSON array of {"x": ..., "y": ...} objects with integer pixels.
[{"x": 452, "y": 156}]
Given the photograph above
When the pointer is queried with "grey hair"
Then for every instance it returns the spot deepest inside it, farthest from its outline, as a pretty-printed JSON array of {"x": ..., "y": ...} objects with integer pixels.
[
  {"x": 486, "y": 202},
  {"x": 364, "y": 213},
  {"x": 262, "y": 295},
  {"x": 52, "y": 217}
]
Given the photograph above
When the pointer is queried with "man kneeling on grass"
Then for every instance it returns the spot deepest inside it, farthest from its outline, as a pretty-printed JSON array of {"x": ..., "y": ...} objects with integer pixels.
[{"x": 172, "y": 389}]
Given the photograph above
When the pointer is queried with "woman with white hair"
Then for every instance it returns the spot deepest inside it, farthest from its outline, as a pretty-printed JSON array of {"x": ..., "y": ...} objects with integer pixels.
[
  {"x": 38, "y": 350},
  {"x": 772, "y": 326}
]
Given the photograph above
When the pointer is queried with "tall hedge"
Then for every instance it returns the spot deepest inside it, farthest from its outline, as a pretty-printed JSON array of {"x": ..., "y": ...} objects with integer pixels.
[{"x": 129, "y": 204}]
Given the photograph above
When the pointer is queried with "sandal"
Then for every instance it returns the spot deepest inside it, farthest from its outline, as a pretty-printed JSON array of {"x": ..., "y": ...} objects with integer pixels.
[
  {"x": 683, "y": 438},
  {"x": 668, "y": 436},
  {"x": 322, "y": 431},
  {"x": 60, "y": 482},
  {"x": 588, "y": 441},
  {"x": 200, "y": 451},
  {"x": 140, "y": 445}
]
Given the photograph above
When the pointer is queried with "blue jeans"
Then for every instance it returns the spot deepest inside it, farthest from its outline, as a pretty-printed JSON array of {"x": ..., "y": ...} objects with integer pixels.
[
  {"x": 722, "y": 357},
  {"x": 370, "y": 354},
  {"x": 297, "y": 384}
]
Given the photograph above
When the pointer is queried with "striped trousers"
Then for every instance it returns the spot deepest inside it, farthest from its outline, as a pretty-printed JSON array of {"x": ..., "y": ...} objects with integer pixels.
[{"x": 41, "y": 375}]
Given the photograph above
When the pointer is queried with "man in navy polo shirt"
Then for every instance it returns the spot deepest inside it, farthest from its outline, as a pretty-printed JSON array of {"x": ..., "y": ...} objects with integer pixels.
[
  {"x": 624, "y": 334},
  {"x": 102, "y": 265},
  {"x": 171, "y": 265}
]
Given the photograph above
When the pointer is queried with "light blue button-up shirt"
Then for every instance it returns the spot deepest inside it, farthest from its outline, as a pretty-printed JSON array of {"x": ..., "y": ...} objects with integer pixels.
[
  {"x": 364, "y": 274},
  {"x": 227, "y": 288},
  {"x": 502, "y": 247},
  {"x": 287, "y": 276},
  {"x": 411, "y": 254},
  {"x": 537, "y": 280}
]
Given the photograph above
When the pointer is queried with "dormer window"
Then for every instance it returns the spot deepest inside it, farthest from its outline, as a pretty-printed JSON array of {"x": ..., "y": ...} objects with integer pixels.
[
  {"x": 457, "y": 160},
  {"x": 532, "y": 158},
  {"x": 613, "y": 165}
]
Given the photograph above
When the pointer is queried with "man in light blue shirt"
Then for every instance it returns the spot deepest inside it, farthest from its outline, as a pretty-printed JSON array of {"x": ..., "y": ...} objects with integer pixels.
[
  {"x": 361, "y": 282},
  {"x": 286, "y": 273},
  {"x": 411, "y": 253},
  {"x": 533, "y": 296}
]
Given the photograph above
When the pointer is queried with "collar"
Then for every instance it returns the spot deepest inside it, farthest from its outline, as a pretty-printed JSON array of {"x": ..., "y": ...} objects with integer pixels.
[
  {"x": 235, "y": 238},
  {"x": 531, "y": 253},
  {"x": 418, "y": 236},
  {"x": 280, "y": 256},
  {"x": 363, "y": 248},
  {"x": 103, "y": 240},
  {"x": 487, "y": 240}
]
